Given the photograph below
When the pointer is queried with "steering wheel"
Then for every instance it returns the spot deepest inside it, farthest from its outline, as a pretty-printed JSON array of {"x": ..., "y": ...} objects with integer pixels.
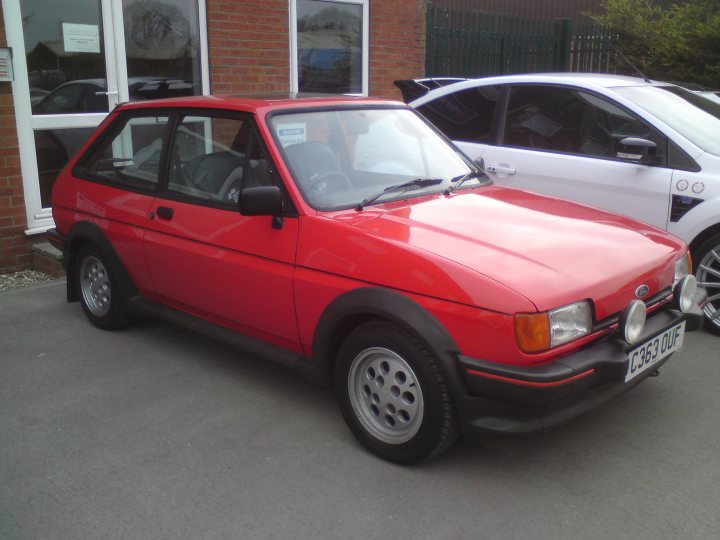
[{"x": 330, "y": 181}]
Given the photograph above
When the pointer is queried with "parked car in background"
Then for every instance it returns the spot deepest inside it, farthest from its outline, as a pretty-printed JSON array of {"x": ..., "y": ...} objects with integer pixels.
[
  {"x": 436, "y": 301},
  {"x": 90, "y": 95},
  {"x": 649, "y": 150}
]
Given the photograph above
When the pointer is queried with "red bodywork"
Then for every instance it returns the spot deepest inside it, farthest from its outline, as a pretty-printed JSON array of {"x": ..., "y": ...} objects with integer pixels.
[{"x": 473, "y": 259}]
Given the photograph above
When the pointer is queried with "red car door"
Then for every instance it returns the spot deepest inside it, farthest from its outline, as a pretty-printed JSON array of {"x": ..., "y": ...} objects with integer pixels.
[
  {"x": 206, "y": 258},
  {"x": 117, "y": 180}
]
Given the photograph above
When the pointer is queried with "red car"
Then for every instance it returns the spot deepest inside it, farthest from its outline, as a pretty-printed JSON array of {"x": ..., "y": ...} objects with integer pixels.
[{"x": 347, "y": 238}]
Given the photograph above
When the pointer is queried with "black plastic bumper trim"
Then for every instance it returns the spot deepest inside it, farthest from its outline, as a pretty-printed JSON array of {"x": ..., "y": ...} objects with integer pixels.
[{"x": 522, "y": 399}]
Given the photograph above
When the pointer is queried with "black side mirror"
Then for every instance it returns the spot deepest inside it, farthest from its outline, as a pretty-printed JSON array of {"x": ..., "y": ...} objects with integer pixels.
[
  {"x": 261, "y": 201},
  {"x": 637, "y": 149}
]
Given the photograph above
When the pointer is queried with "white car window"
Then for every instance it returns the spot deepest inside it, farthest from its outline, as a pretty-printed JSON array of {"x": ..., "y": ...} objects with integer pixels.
[
  {"x": 695, "y": 118},
  {"x": 466, "y": 115},
  {"x": 566, "y": 120}
]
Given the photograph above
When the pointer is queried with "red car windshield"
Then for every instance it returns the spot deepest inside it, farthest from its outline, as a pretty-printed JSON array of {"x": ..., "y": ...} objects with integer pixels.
[{"x": 338, "y": 158}]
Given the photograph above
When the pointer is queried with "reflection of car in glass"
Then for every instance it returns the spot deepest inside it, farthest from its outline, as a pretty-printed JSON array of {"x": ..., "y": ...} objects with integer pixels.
[
  {"x": 90, "y": 95},
  {"x": 36, "y": 95},
  {"x": 435, "y": 301},
  {"x": 55, "y": 146},
  {"x": 84, "y": 96},
  {"x": 649, "y": 150}
]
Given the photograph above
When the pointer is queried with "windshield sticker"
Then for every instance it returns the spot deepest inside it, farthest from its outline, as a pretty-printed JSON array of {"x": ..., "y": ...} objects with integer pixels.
[{"x": 292, "y": 134}]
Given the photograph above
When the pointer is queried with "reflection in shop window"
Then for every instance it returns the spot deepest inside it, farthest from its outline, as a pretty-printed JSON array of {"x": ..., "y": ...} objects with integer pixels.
[
  {"x": 64, "y": 45},
  {"x": 54, "y": 147},
  {"x": 162, "y": 43},
  {"x": 65, "y": 52},
  {"x": 330, "y": 48}
]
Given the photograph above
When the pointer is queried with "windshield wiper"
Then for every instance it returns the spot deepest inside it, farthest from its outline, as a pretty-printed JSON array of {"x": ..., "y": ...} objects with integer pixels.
[
  {"x": 460, "y": 180},
  {"x": 418, "y": 182}
]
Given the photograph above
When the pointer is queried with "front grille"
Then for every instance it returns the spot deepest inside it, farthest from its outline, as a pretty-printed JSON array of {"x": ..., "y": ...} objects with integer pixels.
[{"x": 651, "y": 304}]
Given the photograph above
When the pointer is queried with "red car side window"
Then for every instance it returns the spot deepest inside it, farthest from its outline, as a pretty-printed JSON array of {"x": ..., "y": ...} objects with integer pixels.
[{"x": 130, "y": 156}]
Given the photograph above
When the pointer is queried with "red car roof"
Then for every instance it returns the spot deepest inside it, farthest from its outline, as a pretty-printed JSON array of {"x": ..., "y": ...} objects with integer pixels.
[{"x": 255, "y": 102}]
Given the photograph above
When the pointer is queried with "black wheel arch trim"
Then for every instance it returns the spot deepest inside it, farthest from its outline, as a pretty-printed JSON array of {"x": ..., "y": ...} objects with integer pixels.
[
  {"x": 86, "y": 231},
  {"x": 357, "y": 306}
]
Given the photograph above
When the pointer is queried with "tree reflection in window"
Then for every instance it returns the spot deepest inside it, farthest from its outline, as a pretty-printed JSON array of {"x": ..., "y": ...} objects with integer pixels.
[{"x": 162, "y": 44}]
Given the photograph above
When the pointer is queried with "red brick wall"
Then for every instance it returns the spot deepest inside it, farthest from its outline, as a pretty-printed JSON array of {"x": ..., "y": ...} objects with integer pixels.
[
  {"x": 397, "y": 44},
  {"x": 249, "y": 46},
  {"x": 15, "y": 251}
]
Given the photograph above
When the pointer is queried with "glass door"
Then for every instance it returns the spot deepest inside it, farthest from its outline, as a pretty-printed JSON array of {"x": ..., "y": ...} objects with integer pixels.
[
  {"x": 76, "y": 60},
  {"x": 72, "y": 80}
]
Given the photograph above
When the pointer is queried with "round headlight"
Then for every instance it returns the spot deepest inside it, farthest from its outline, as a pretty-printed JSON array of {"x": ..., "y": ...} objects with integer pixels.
[
  {"x": 684, "y": 293},
  {"x": 632, "y": 321}
]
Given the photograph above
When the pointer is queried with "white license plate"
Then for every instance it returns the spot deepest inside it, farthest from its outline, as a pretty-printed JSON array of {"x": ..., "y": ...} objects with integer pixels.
[{"x": 655, "y": 349}]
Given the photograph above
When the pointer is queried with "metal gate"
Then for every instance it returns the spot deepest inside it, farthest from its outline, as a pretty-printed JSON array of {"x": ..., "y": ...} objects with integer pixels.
[{"x": 464, "y": 42}]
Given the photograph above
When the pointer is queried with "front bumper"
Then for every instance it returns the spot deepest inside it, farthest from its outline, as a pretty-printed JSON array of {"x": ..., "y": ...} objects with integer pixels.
[{"x": 523, "y": 399}]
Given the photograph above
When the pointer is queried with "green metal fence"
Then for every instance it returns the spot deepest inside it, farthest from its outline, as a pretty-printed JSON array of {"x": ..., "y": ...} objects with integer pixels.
[{"x": 467, "y": 43}]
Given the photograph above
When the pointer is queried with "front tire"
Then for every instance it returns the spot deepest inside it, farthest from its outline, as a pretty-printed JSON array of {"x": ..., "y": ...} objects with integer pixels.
[
  {"x": 707, "y": 273},
  {"x": 392, "y": 394},
  {"x": 100, "y": 294}
]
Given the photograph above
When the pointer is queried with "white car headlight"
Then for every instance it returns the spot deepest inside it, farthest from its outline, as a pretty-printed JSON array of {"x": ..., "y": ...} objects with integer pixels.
[
  {"x": 683, "y": 267},
  {"x": 536, "y": 332},
  {"x": 632, "y": 321},
  {"x": 570, "y": 322},
  {"x": 684, "y": 293}
]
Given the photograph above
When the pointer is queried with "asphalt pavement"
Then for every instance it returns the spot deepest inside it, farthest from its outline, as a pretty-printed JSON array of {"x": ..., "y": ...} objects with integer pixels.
[{"x": 157, "y": 433}]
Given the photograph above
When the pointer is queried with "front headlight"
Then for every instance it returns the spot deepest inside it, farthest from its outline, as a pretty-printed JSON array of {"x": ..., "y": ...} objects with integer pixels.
[
  {"x": 683, "y": 267},
  {"x": 632, "y": 321},
  {"x": 684, "y": 293},
  {"x": 537, "y": 332}
]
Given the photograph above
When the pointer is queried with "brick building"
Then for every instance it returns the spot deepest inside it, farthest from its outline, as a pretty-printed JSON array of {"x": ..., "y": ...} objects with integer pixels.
[{"x": 74, "y": 60}]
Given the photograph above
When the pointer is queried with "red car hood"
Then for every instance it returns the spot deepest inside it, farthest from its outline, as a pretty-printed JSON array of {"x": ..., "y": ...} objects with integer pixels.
[{"x": 553, "y": 252}]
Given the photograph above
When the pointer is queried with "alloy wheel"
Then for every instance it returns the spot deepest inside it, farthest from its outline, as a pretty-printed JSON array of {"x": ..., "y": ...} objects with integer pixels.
[
  {"x": 95, "y": 285},
  {"x": 385, "y": 395}
]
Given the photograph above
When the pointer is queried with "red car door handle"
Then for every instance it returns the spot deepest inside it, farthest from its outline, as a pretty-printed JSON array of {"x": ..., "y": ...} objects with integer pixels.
[{"x": 164, "y": 212}]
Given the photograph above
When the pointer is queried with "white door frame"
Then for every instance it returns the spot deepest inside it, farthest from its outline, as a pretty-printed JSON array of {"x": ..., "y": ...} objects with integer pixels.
[{"x": 39, "y": 219}]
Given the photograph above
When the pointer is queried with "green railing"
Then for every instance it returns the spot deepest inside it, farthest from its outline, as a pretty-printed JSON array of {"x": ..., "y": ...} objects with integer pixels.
[{"x": 467, "y": 43}]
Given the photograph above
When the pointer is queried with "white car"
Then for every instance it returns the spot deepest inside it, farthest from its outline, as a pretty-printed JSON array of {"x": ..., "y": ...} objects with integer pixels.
[
  {"x": 711, "y": 95},
  {"x": 649, "y": 150}
]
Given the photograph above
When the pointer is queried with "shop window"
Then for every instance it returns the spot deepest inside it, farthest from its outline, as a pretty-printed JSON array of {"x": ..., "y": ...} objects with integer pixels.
[
  {"x": 162, "y": 47},
  {"x": 331, "y": 46}
]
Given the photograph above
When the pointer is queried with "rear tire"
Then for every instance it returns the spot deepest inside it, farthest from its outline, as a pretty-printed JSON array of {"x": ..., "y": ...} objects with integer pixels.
[
  {"x": 99, "y": 290},
  {"x": 392, "y": 394},
  {"x": 707, "y": 272}
]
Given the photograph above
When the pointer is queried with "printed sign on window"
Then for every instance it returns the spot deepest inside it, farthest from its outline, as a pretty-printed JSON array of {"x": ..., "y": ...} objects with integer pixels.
[
  {"x": 292, "y": 134},
  {"x": 81, "y": 37}
]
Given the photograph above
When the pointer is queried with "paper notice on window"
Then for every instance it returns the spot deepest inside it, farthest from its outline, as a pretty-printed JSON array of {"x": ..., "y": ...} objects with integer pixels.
[
  {"x": 291, "y": 134},
  {"x": 81, "y": 37}
]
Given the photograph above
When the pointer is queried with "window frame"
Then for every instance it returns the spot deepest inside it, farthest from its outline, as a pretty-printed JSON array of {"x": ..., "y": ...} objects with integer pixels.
[
  {"x": 506, "y": 106},
  {"x": 80, "y": 170},
  {"x": 497, "y": 117},
  {"x": 365, "y": 70},
  {"x": 175, "y": 116},
  {"x": 163, "y": 191}
]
